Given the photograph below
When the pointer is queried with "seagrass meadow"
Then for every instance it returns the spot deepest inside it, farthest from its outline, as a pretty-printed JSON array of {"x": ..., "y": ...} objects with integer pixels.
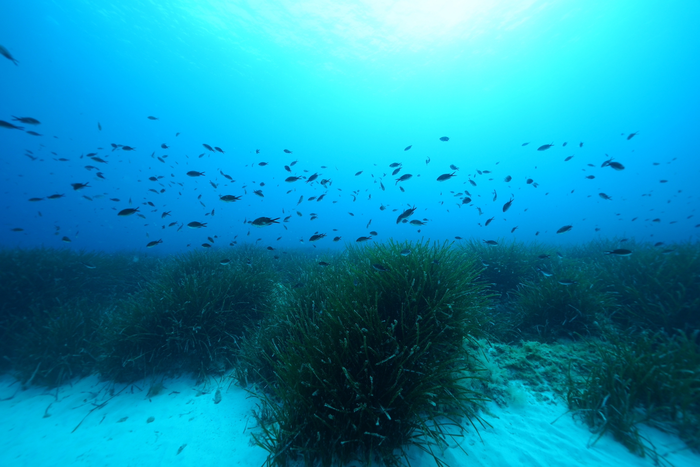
[{"x": 365, "y": 354}]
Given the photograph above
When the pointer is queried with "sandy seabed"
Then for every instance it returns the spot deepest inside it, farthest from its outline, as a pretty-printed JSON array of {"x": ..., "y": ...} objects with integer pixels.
[{"x": 96, "y": 423}]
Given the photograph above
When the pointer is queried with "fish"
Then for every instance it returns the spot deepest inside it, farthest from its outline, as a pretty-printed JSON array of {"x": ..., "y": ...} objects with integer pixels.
[
  {"x": 566, "y": 228},
  {"x": 408, "y": 147},
  {"x": 380, "y": 267},
  {"x": 590, "y": 177},
  {"x": 312, "y": 178},
  {"x": 193, "y": 173},
  {"x": 66, "y": 240},
  {"x": 165, "y": 214},
  {"x": 262, "y": 164},
  {"x": 525, "y": 144},
  {"x": 618, "y": 252},
  {"x": 513, "y": 229},
  {"x": 466, "y": 200},
  {"x": 316, "y": 237},
  {"x": 416, "y": 222},
  {"x": 323, "y": 263},
  {"x": 287, "y": 151},
  {"x": 508, "y": 204},
  {"x": 395, "y": 171},
  {"x": 127, "y": 212},
  {"x": 34, "y": 200},
  {"x": 264, "y": 221},
  {"x": 291, "y": 179},
  {"x": 9, "y": 126},
  {"x": 219, "y": 149},
  {"x": 632, "y": 135},
  {"x": 229, "y": 198},
  {"x": 363, "y": 239},
  {"x": 196, "y": 225},
  {"x": 33, "y": 133},
  {"x": 153, "y": 243},
  {"x": 508, "y": 178},
  {"x": 406, "y": 214},
  {"x": 6, "y": 53},
  {"x": 444, "y": 177},
  {"x": 454, "y": 167},
  {"x": 444, "y": 138},
  {"x": 403, "y": 178},
  {"x": 336, "y": 239},
  {"x": 616, "y": 166},
  {"x": 359, "y": 173},
  {"x": 225, "y": 262},
  {"x": 208, "y": 147},
  {"x": 567, "y": 282},
  {"x": 491, "y": 242},
  {"x": 568, "y": 158},
  {"x": 604, "y": 196},
  {"x": 473, "y": 183},
  {"x": 495, "y": 196},
  {"x": 580, "y": 144},
  {"x": 544, "y": 147},
  {"x": 488, "y": 221},
  {"x": 564, "y": 145},
  {"x": 405, "y": 252},
  {"x": 79, "y": 186},
  {"x": 26, "y": 120}
]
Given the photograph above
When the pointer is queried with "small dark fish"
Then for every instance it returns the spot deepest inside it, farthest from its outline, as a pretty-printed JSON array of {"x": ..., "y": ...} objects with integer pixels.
[
  {"x": 151, "y": 117},
  {"x": 316, "y": 237},
  {"x": 26, "y": 120},
  {"x": 6, "y": 53},
  {"x": 363, "y": 239},
  {"x": 264, "y": 221},
  {"x": 262, "y": 164},
  {"x": 566, "y": 228},
  {"x": 8, "y": 125},
  {"x": 153, "y": 243},
  {"x": 491, "y": 242},
  {"x": 323, "y": 263},
  {"x": 380, "y": 267},
  {"x": 616, "y": 166},
  {"x": 525, "y": 144},
  {"x": 287, "y": 151},
  {"x": 196, "y": 225},
  {"x": 466, "y": 200},
  {"x": 454, "y": 167},
  {"x": 359, "y": 173},
  {"x": 79, "y": 186},
  {"x": 395, "y": 171},
  {"x": 544, "y": 147},
  {"x": 580, "y": 144},
  {"x": 259, "y": 193},
  {"x": 605, "y": 197},
  {"x": 291, "y": 179},
  {"x": 508, "y": 179},
  {"x": 99, "y": 127},
  {"x": 406, "y": 214},
  {"x": 488, "y": 221},
  {"x": 193, "y": 173},
  {"x": 618, "y": 252},
  {"x": 473, "y": 183},
  {"x": 127, "y": 212},
  {"x": 564, "y": 145},
  {"x": 444, "y": 177},
  {"x": 513, "y": 229},
  {"x": 403, "y": 178},
  {"x": 225, "y": 262},
  {"x": 407, "y": 148},
  {"x": 568, "y": 158},
  {"x": 208, "y": 147},
  {"x": 164, "y": 146},
  {"x": 405, "y": 252},
  {"x": 395, "y": 164},
  {"x": 66, "y": 240},
  {"x": 567, "y": 282},
  {"x": 229, "y": 198},
  {"x": 219, "y": 149},
  {"x": 508, "y": 204},
  {"x": 336, "y": 239},
  {"x": 444, "y": 138},
  {"x": 629, "y": 137},
  {"x": 590, "y": 177},
  {"x": 312, "y": 178},
  {"x": 34, "y": 200}
]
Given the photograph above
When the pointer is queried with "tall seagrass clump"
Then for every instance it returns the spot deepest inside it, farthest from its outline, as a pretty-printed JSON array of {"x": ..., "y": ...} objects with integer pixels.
[
  {"x": 51, "y": 304},
  {"x": 190, "y": 316},
  {"x": 646, "y": 377},
  {"x": 377, "y": 361}
]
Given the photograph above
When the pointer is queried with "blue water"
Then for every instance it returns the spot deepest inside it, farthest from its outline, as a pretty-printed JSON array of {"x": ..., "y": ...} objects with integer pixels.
[{"x": 346, "y": 86}]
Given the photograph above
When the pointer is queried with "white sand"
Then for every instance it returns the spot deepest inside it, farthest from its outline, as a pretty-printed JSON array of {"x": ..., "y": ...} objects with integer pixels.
[{"x": 219, "y": 434}]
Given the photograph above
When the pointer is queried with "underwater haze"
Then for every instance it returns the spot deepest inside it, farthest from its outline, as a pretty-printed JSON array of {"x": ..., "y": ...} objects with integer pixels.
[{"x": 588, "y": 108}]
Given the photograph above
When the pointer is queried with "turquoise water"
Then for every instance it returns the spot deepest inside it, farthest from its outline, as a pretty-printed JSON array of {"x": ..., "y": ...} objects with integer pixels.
[{"x": 346, "y": 86}]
